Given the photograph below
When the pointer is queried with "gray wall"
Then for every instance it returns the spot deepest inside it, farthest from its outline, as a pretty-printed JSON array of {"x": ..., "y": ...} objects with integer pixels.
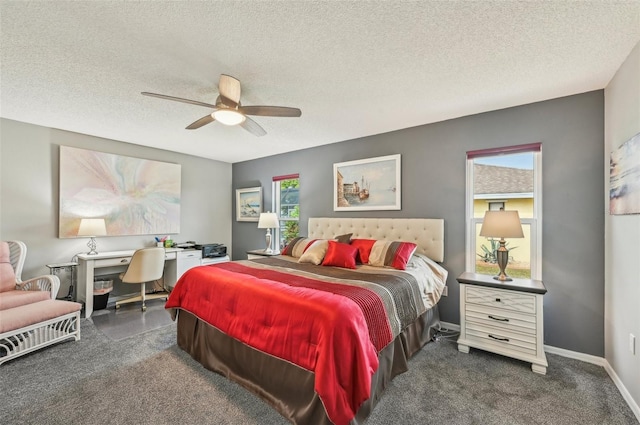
[
  {"x": 571, "y": 130},
  {"x": 29, "y": 157}
]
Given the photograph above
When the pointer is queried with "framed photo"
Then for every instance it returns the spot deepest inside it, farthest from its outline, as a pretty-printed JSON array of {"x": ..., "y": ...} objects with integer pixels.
[
  {"x": 367, "y": 184},
  {"x": 248, "y": 204},
  {"x": 624, "y": 178}
]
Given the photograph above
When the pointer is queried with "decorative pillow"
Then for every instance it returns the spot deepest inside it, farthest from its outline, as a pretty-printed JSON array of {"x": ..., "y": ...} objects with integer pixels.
[
  {"x": 298, "y": 246},
  {"x": 315, "y": 252},
  {"x": 344, "y": 238},
  {"x": 340, "y": 255},
  {"x": 391, "y": 254},
  {"x": 364, "y": 248}
]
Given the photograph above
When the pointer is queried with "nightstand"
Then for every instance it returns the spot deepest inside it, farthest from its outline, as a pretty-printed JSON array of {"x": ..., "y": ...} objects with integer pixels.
[
  {"x": 259, "y": 253},
  {"x": 503, "y": 318}
]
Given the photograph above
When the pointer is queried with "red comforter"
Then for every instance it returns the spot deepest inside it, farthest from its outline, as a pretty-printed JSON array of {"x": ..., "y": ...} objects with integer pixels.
[{"x": 320, "y": 326}]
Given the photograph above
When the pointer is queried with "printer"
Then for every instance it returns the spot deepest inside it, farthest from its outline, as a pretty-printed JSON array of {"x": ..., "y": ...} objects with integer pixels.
[{"x": 211, "y": 250}]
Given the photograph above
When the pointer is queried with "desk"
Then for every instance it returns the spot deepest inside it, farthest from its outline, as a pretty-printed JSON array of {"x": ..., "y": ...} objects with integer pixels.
[{"x": 87, "y": 264}]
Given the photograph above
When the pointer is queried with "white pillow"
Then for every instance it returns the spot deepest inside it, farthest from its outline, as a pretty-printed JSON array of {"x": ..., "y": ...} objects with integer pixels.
[{"x": 315, "y": 253}]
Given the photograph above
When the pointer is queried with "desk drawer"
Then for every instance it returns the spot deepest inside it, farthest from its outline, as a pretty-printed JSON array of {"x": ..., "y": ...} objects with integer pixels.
[
  {"x": 503, "y": 300},
  {"x": 110, "y": 262}
]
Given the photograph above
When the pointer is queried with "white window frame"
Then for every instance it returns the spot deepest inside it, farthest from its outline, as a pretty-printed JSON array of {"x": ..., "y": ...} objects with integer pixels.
[
  {"x": 535, "y": 222},
  {"x": 275, "y": 207}
]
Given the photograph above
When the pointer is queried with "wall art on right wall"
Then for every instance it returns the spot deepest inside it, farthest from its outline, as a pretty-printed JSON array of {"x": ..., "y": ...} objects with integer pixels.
[{"x": 624, "y": 178}]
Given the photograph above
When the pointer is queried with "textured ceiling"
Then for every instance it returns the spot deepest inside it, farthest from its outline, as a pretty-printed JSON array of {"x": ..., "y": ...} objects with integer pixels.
[{"x": 354, "y": 68}]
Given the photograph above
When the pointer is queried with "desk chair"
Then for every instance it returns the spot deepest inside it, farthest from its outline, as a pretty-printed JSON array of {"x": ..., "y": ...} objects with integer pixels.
[{"x": 147, "y": 264}]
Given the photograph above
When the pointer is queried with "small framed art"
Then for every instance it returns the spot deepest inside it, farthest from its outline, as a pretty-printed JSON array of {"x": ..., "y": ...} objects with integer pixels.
[{"x": 248, "y": 204}]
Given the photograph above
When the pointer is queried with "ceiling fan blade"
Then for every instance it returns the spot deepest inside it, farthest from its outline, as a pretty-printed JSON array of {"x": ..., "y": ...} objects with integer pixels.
[
  {"x": 270, "y": 111},
  {"x": 226, "y": 102},
  {"x": 253, "y": 127},
  {"x": 229, "y": 88},
  {"x": 179, "y": 99},
  {"x": 202, "y": 121}
]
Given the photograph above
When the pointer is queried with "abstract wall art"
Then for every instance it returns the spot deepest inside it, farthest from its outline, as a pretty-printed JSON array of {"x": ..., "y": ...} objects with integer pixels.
[
  {"x": 135, "y": 196},
  {"x": 624, "y": 178}
]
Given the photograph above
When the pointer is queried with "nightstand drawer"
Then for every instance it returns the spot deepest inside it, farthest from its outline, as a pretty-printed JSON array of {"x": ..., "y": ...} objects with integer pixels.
[
  {"x": 501, "y": 319},
  {"x": 493, "y": 338},
  {"x": 503, "y": 300}
]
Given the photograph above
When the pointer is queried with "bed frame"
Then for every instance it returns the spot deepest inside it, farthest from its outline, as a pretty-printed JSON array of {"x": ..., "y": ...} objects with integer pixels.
[
  {"x": 289, "y": 388},
  {"x": 427, "y": 233}
]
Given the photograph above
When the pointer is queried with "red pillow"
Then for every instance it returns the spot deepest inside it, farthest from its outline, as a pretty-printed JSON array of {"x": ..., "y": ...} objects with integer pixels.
[
  {"x": 364, "y": 249},
  {"x": 340, "y": 255}
]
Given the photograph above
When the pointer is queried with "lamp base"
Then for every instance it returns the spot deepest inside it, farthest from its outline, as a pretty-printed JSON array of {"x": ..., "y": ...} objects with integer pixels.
[
  {"x": 268, "y": 249},
  {"x": 502, "y": 256},
  {"x": 92, "y": 246}
]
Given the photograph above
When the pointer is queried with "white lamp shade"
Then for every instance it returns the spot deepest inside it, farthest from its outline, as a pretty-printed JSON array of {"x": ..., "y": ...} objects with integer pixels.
[
  {"x": 92, "y": 227},
  {"x": 268, "y": 220},
  {"x": 501, "y": 224}
]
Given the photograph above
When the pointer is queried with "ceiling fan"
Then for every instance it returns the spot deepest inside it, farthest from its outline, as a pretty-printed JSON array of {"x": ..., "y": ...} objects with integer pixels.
[{"x": 228, "y": 109}]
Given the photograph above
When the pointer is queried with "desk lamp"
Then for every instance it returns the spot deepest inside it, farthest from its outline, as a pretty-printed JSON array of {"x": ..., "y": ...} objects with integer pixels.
[
  {"x": 92, "y": 227},
  {"x": 268, "y": 221},
  {"x": 502, "y": 224}
]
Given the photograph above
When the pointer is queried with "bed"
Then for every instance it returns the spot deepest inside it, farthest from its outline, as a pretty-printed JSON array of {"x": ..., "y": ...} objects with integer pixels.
[{"x": 318, "y": 342}]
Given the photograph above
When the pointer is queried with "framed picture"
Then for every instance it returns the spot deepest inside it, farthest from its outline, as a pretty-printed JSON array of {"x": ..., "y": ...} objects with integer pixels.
[
  {"x": 367, "y": 184},
  {"x": 248, "y": 204},
  {"x": 134, "y": 196},
  {"x": 624, "y": 178}
]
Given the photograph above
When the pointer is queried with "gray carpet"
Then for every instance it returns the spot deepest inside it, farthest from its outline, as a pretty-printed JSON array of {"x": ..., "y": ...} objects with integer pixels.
[{"x": 147, "y": 379}]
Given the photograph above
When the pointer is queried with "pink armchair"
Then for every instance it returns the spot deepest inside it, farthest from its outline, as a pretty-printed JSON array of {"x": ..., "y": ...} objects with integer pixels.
[{"x": 15, "y": 292}]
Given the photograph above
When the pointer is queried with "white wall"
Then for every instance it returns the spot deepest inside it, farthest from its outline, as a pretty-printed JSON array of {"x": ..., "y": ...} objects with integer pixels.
[
  {"x": 29, "y": 158},
  {"x": 622, "y": 236}
]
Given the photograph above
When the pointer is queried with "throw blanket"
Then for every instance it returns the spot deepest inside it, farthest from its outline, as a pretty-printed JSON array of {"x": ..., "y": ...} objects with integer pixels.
[{"x": 327, "y": 320}]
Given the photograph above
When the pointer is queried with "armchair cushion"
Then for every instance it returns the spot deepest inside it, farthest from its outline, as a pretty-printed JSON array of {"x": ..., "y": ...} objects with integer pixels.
[
  {"x": 17, "y": 298},
  {"x": 20, "y": 317},
  {"x": 7, "y": 275}
]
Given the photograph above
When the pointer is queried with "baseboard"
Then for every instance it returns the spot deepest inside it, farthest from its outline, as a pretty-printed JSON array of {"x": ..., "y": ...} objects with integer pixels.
[
  {"x": 588, "y": 358},
  {"x": 623, "y": 390},
  {"x": 450, "y": 326}
]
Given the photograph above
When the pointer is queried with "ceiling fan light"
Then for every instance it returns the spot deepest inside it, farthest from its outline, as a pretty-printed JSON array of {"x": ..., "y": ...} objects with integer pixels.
[{"x": 228, "y": 116}]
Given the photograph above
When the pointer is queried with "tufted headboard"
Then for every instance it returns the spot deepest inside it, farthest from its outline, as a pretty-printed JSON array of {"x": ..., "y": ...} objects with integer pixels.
[{"x": 427, "y": 233}]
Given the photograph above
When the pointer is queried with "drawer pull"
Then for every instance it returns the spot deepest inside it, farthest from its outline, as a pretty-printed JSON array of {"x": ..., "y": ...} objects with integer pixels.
[
  {"x": 497, "y": 300},
  {"x": 499, "y": 339},
  {"x": 124, "y": 260},
  {"x": 499, "y": 319}
]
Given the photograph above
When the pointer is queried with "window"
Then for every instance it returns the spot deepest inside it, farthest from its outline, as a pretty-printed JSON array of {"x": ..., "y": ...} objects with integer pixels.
[
  {"x": 505, "y": 178},
  {"x": 496, "y": 205},
  {"x": 286, "y": 203}
]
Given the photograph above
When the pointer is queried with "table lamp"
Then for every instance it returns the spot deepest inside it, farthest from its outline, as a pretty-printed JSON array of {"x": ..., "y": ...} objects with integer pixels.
[
  {"x": 268, "y": 221},
  {"x": 502, "y": 224},
  {"x": 92, "y": 227}
]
